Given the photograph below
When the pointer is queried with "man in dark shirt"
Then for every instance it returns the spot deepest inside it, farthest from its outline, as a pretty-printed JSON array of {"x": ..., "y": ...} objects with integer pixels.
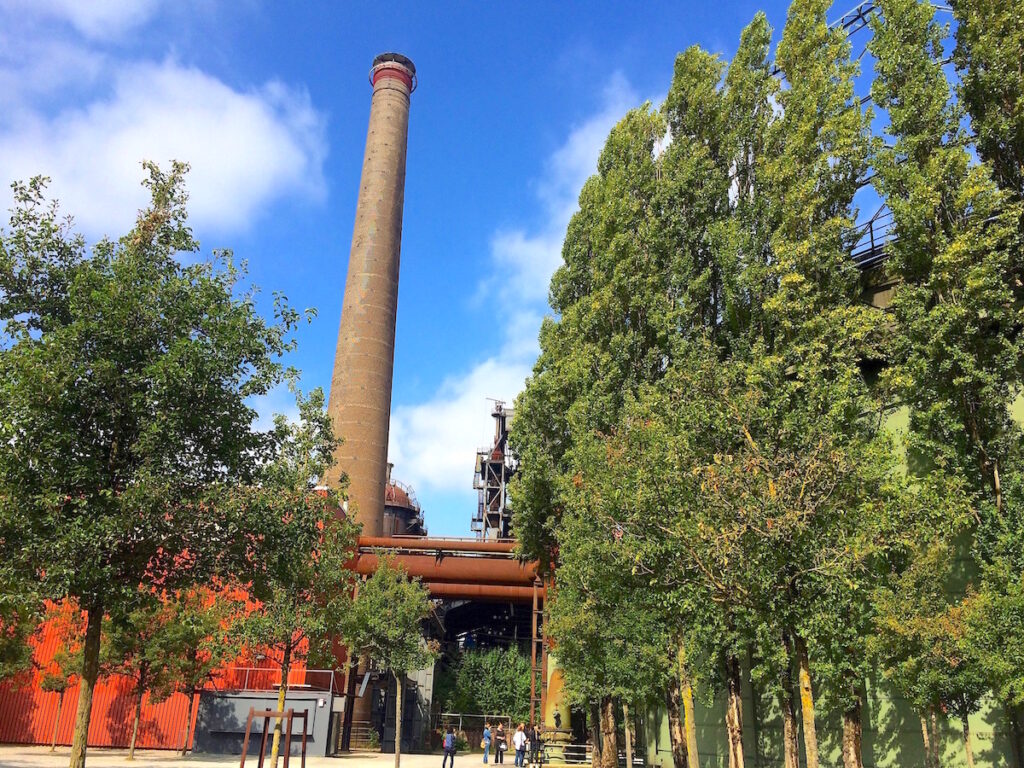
[{"x": 536, "y": 747}]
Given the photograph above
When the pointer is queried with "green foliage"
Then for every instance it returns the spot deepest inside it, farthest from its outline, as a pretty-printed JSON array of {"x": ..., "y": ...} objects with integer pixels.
[
  {"x": 698, "y": 437},
  {"x": 192, "y": 642},
  {"x": 989, "y": 49},
  {"x": 124, "y": 381},
  {"x": 492, "y": 681},
  {"x": 130, "y": 645},
  {"x": 305, "y": 591},
  {"x": 19, "y": 615},
  {"x": 126, "y": 373},
  {"x": 920, "y": 633},
  {"x": 384, "y": 622},
  {"x": 958, "y": 349}
]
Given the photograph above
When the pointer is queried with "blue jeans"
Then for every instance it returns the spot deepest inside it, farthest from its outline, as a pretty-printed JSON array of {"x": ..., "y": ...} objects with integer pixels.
[
  {"x": 520, "y": 757},
  {"x": 487, "y": 750}
]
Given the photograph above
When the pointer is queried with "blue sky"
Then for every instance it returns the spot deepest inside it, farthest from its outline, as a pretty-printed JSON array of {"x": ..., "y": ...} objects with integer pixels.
[{"x": 269, "y": 103}]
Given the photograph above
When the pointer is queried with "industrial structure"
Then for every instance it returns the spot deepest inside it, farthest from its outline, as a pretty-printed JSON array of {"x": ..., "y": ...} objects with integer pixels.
[
  {"x": 360, "y": 399},
  {"x": 495, "y": 466},
  {"x": 402, "y": 513},
  {"x": 459, "y": 573}
]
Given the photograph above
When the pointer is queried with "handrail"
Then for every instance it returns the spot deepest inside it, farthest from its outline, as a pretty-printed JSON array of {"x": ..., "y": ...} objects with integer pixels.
[{"x": 252, "y": 679}]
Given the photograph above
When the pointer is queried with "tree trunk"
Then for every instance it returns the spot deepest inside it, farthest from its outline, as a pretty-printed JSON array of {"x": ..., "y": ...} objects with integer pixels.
[
  {"x": 595, "y": 733},
  {"x": 87, "y": 683},
  {"x": 609, "y": 745},
  {"x": 399, "y": 695},
  {"x": 688, "y": 723},
  {"x": 790, "y": 745},
  {"x": 140, "y": 690},
  {"x": 927, "y": 740},
  {"x": 282, "y": 698},
  {"x": 930, "y": 735},
  {"x": 807, "y": 704},
  {"x": 56, "y": 720},
  {"x": 1014, "y": 730},
  {"x": 135, "y": 722},
  {"x": 734, "y": 714},
  {"x": 188, "y": 720},
  {"x": 968, "y": 748},
  {"x": 755, "y": 717},
  {"x": 853, "y": 730},
  {"x": 676, "y": 736},
  {"x": 628, "y": 733}
]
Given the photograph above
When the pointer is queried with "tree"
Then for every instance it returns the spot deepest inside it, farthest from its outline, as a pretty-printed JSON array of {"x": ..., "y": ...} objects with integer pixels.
[
  {"x": 193, "y": 644},
  {"x": 129, "y": 648},
  {"x": 606, "y": 630},
  {"x": 60, "y": 673},
  {"x": 989, "y": 49},
  {"x": 57, "y": 680},
  {"x": 125, "y": 382},
  {"x": 921, "y": 637},
  {"x": 492, "y": 680},
  {"x": 305, "y": 593},
  {"x": 384, "y": 626},
  {"x": 958, "y": 351}
]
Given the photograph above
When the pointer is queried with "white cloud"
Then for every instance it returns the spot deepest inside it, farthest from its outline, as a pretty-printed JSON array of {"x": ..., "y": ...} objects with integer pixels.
[
  {"x": 432, "y": 443},
  {"x": 525, "y": 260},
  {"x": 245, "y": 148},
  {"x": 96, "y": 19},
  {"x": 76, "y": 108}
]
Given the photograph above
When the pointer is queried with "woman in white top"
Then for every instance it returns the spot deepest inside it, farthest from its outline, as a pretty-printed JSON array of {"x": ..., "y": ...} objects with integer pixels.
[{"x": 519, "y": 742}]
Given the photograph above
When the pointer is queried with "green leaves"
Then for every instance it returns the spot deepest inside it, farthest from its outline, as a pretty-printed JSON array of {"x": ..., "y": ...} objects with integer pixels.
[
  {"x": 493, "y": 680},
  {"x": 384, "y": 623}
]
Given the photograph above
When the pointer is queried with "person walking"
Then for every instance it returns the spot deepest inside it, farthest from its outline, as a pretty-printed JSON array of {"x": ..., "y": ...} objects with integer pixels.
[
  {"x": 499, "y": 744},
  {"x": 449, "y": 747},
  {"x": 486, "y": 742},
  {"x": 519, "y": 742}
]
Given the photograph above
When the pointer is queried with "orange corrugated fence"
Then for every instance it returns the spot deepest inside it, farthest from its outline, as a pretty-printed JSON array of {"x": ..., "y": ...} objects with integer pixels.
[{"x": 27, "y": 712}]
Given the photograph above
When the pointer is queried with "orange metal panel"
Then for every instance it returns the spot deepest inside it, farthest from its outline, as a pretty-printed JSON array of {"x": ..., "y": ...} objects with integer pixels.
[{"x": 27, "y": 712}]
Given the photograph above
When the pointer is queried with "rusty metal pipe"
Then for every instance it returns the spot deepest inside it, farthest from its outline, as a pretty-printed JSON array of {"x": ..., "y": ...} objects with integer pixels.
[
  {"x": 435, "y": 544},
  {"x": 471, "y": 570}
]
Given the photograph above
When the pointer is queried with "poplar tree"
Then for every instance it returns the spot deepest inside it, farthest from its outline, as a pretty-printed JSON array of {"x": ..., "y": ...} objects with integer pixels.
[
  {"x": 812, "y": 410},
  {"x": 956, "y": 253},
  {"x": 605, "y": 623},
  {"x": 988, "y": 54},
  {"x": 610, "y": 299}
]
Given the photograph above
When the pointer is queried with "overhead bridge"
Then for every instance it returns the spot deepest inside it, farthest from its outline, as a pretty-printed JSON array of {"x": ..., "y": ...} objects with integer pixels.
[{"x": 470, "y": 569}]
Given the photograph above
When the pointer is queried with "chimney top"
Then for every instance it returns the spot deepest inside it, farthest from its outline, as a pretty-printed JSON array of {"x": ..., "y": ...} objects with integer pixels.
[
  {"x": 398, "y": 58},
  {"x": 394, "y": 66}
]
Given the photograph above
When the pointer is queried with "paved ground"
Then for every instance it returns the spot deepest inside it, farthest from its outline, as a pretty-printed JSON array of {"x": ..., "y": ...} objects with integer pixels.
[{"x": 42, "y": 757}]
